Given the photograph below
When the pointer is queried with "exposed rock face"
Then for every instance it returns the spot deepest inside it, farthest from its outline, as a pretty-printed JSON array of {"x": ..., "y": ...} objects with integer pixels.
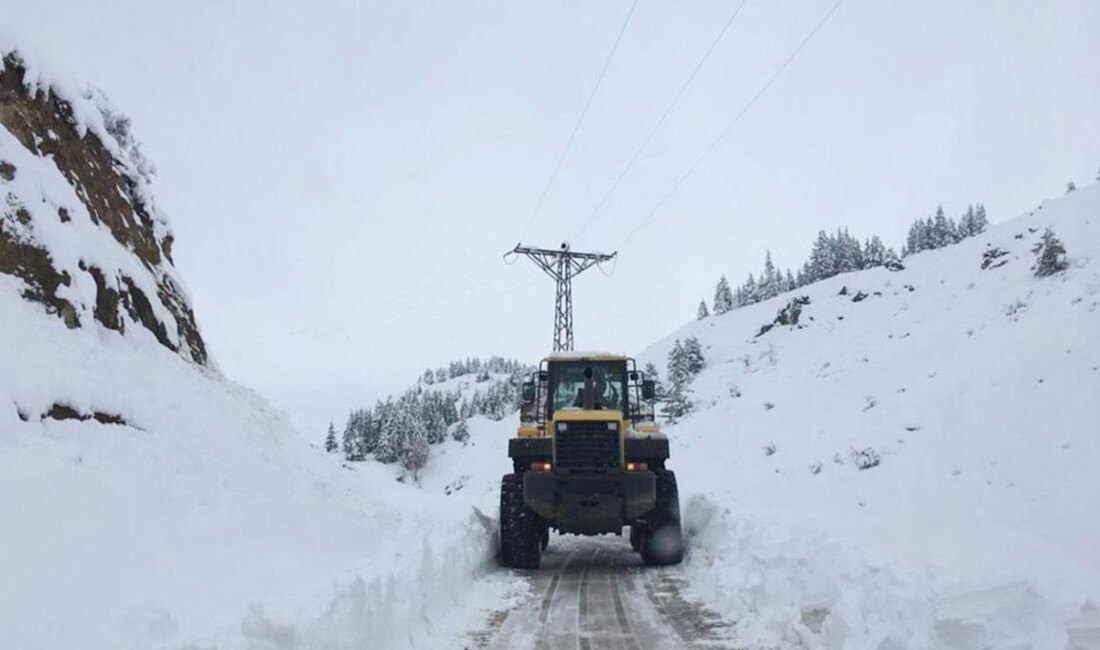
[{"x": 78, "y": 226}]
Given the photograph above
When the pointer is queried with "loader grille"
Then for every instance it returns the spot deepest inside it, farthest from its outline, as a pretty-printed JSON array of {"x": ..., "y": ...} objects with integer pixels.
[{"x": 588, "y": 445}]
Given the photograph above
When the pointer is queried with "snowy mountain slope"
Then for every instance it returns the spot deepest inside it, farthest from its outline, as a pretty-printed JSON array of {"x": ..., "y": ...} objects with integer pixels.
[
  {"x": 148, "y": 501},
  {"x": 974, "y": 392}
]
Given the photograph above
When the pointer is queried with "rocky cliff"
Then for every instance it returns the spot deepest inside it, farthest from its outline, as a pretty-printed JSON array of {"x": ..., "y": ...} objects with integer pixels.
[{"x": 80, "y": 234}]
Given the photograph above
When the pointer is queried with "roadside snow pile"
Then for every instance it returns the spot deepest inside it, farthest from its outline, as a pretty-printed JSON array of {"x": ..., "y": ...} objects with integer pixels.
[
  {"x": 786, "y": 588},
  {"x": 938, "y": 433}
]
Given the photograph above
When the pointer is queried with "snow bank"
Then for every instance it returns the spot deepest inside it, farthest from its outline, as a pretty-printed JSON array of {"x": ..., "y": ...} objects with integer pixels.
[
  {"x": 205, "y": 519},
  {"x": 787, "y": 587}
]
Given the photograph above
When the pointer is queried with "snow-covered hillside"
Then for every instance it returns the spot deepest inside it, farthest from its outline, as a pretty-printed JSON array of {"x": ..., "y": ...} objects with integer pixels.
[
  {"x": 149, "y": 502},
  {"x": 914, "y": 463}
]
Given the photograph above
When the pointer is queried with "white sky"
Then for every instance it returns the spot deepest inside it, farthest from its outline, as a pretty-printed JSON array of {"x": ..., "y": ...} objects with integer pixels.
[{"x": 342, "y": 177}]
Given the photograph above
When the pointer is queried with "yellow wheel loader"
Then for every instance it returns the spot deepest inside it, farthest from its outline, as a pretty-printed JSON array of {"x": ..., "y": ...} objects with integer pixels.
[{"x": 588, "y": 459}]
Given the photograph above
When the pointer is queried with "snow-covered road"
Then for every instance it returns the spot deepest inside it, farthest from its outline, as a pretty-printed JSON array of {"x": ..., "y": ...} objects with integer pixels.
[{"x": 593, "y": 594}]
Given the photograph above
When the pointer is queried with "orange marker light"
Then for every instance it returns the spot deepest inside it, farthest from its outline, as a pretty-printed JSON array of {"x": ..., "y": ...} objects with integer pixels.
[{"x": 541, "y": 467}]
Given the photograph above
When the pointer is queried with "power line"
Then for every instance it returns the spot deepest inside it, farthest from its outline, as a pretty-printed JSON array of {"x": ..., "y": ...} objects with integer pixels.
[
  {"x": 424, "y": 289},
  {"x": 660, "y": 121},
  {"x": 729, "y": 127},
  {"x": 577, "y": 126}
]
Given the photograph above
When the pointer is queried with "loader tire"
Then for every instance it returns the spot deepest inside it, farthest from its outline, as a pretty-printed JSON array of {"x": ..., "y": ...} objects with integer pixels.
[
  {"x": 520, "y": 528},
  {"x": 661, "y": 540}
]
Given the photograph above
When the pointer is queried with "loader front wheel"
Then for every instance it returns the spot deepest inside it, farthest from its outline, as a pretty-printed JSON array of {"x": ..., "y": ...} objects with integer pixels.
[
  {"x": 521, "y": 531},
  {"x": 661, "y": 539}
]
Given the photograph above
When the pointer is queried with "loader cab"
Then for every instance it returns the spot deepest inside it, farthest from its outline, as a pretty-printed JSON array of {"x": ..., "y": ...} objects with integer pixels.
[{"x": 597, "y": 382}]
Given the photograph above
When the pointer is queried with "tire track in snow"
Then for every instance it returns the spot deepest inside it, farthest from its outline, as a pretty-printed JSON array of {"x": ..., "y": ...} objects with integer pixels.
[{"x": 593, "y": 594}]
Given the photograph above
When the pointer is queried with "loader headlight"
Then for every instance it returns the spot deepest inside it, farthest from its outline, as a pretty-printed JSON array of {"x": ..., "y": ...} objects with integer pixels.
[
  {"x": 563, "y": 426},
  {"x": 612, "y": 426}
]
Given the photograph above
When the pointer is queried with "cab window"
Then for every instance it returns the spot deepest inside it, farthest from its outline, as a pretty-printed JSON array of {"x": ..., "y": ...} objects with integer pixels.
[{"x": 567, "y": 385}]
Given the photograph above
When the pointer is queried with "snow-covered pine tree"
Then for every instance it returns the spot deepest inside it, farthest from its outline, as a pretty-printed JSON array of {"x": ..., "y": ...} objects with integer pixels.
[
  {"x": 874, "y": 253},
  {"x": 751, "y": 290},
  {"x": 849, "y": 257},
  {"x": 330, "y": 440},
  {"x": 702, "y": 311},
  {"x": 461, "y": 432},
  {"x": 414, "y": 448},
  {"x": 1050, "y": 256},
  {"x": 739, "y": 299},
  {"x": 1071, "y": 187},
  {"x": 389, "y": 434},
  {"x": 823, "y": 258},
  {"x": 693, "y": 356},
  {"x": 770, "y": 280},
  {"x": 352, "y": 442},
  {"x": 723, "y": 297},
  {"x": 789, "y": 284},
  {"x": 428, "y": 377},
  {"x": 980, "y": 220},
  {"x": 651, "y": 372},
  {"x": 677, "y": 403},
  {"x": 942, "y": 232},
  {"x": 966, "y": 222}
]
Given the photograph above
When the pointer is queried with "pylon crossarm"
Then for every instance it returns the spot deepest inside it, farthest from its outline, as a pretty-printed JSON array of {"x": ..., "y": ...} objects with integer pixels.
[{"x": 563, "y": 265}]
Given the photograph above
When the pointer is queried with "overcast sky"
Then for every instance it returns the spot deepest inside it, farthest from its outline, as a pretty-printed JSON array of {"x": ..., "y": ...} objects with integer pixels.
[{"x": 343, "y": 177}]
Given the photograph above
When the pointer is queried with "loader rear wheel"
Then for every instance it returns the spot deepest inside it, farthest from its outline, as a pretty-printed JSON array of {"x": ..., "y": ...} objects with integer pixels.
[
  {"x": 520, "y": 528},
  {"x": 661, "y": 539}
]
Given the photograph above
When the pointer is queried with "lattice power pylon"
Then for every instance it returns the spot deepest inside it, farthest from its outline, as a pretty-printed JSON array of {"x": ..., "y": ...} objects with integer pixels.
[{"x": 563, "y": 265}]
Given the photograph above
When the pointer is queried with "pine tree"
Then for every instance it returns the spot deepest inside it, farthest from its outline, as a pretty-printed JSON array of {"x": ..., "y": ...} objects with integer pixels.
[
  {"x": 823, "y": 258},
  {"x": 723, "y": 298},
  {"x": 702, "y": 313},
  {"x": 942, "y": 234},
  {"x": 677, "y": 403},
  {"x": 769, "y": 281},
  {"x": 848, "y": 256},
  {"x": 428, "y": 377},
  {"x": 874, "y": 253},
  {"x": 751, "y": 291},
  {"x": 1050, "y": 255},
  {"x": 980, "y": 221},
  {"x": 658, "y": 386},
  {"x": 693, "y": 356},
  {"x": 350, "y": 443},
  {"x": 1071, "y": 187},
  {"x": 461, "y": 432},
  {"x": 330, "y": 440},
  {"x": 389, "y": 435},
  {"x": 415, "y": 451},
  {"x": 967, "y": 222}
]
